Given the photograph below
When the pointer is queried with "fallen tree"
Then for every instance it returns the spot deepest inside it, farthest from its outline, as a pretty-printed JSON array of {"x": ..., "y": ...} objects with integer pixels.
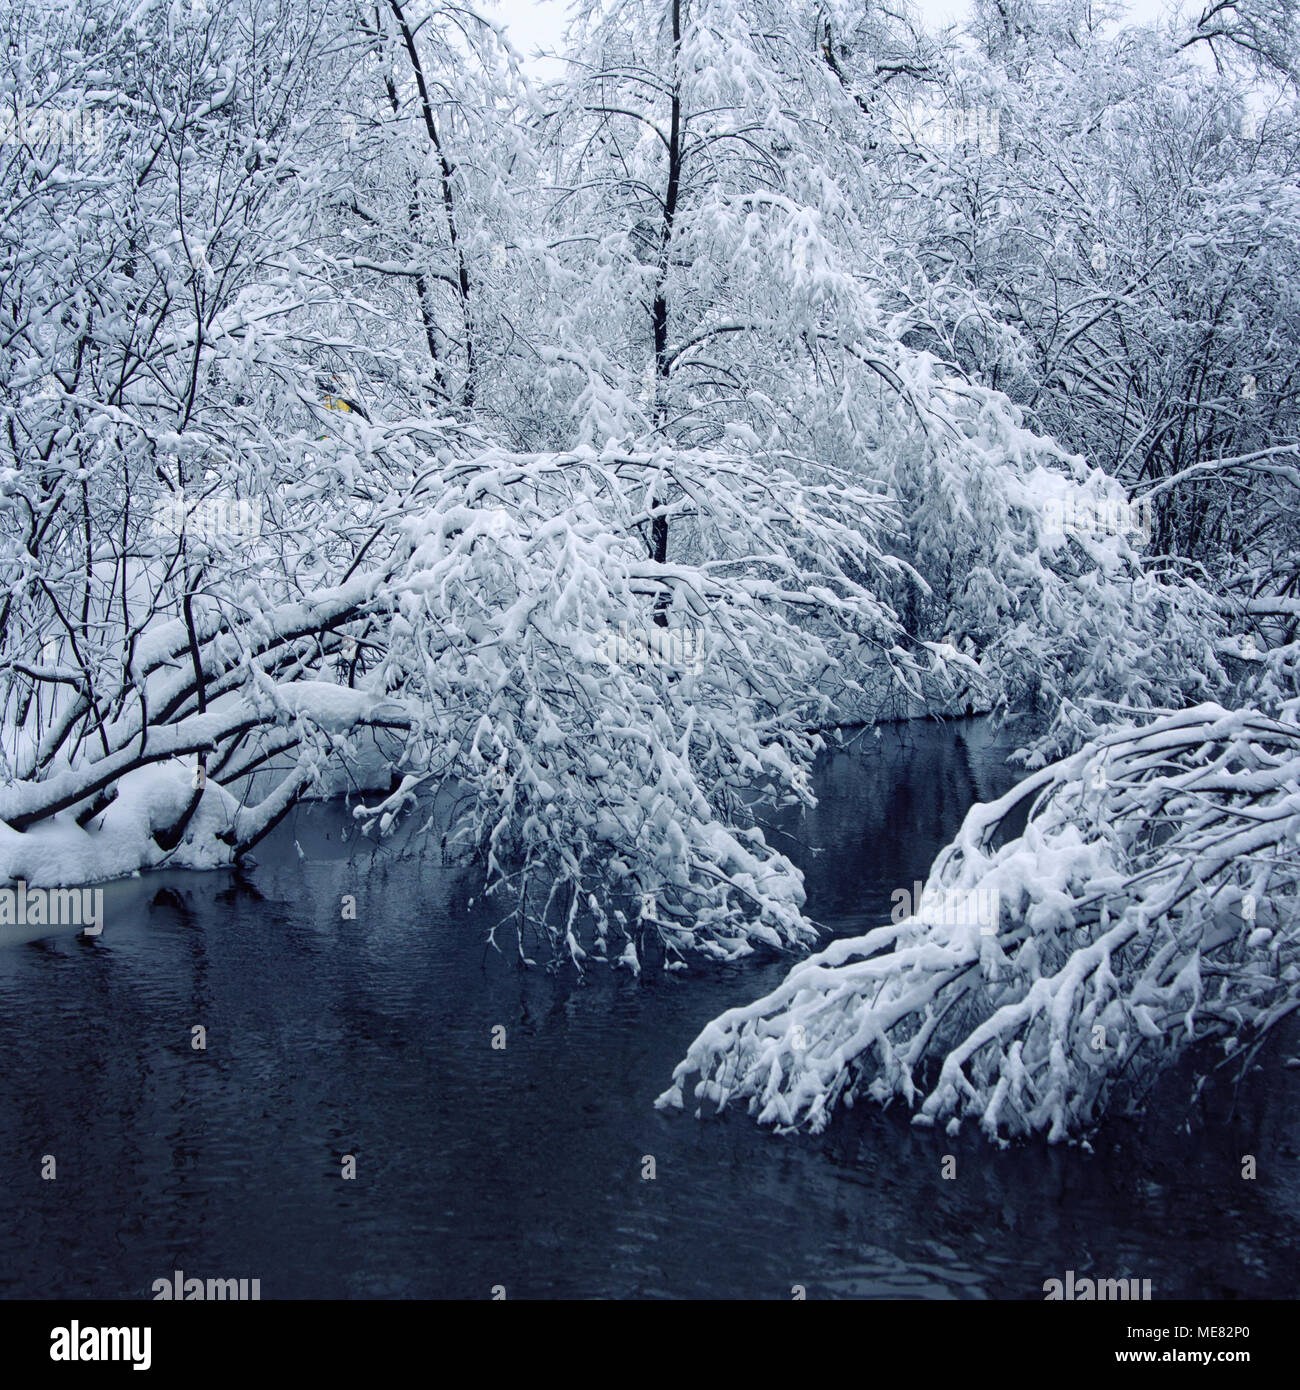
[{"x": 1149, "y": 903}]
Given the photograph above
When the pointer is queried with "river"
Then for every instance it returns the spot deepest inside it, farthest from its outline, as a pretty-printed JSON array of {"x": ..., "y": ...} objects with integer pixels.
[{"x": 523, "y": 1168}]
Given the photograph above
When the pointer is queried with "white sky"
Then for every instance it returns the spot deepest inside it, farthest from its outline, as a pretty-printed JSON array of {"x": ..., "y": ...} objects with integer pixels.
[{"x": 534, "y": 24}]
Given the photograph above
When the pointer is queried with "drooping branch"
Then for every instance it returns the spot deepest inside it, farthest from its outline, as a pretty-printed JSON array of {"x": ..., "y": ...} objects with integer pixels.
[{"x": 1149, "y": 904}]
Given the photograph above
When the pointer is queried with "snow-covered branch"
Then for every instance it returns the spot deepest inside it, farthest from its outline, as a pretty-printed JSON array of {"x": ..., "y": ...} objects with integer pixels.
[{"x": 1148, "y": 904}]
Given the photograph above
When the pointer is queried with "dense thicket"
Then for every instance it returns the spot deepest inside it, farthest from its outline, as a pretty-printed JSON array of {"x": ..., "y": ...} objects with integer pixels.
[{"x": 375, "y": 418}]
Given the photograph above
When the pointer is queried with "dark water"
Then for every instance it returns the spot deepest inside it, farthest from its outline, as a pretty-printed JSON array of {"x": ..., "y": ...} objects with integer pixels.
[{"x": 523, "y": 1167}]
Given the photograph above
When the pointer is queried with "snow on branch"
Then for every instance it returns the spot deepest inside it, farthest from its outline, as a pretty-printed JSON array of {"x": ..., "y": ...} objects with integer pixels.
[{"x": 1149, "y": 903}]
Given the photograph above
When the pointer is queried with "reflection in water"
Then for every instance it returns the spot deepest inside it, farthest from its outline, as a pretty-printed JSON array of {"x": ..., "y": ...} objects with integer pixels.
[{"x": 523, "y": 1166}]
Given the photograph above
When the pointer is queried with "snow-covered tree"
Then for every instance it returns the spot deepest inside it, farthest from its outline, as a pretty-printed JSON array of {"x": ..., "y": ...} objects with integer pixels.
[
  {"x": 1123, "y": 264},
  {"x": 245, "y": 560},
  {"x": 1148, "y": 904}
]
